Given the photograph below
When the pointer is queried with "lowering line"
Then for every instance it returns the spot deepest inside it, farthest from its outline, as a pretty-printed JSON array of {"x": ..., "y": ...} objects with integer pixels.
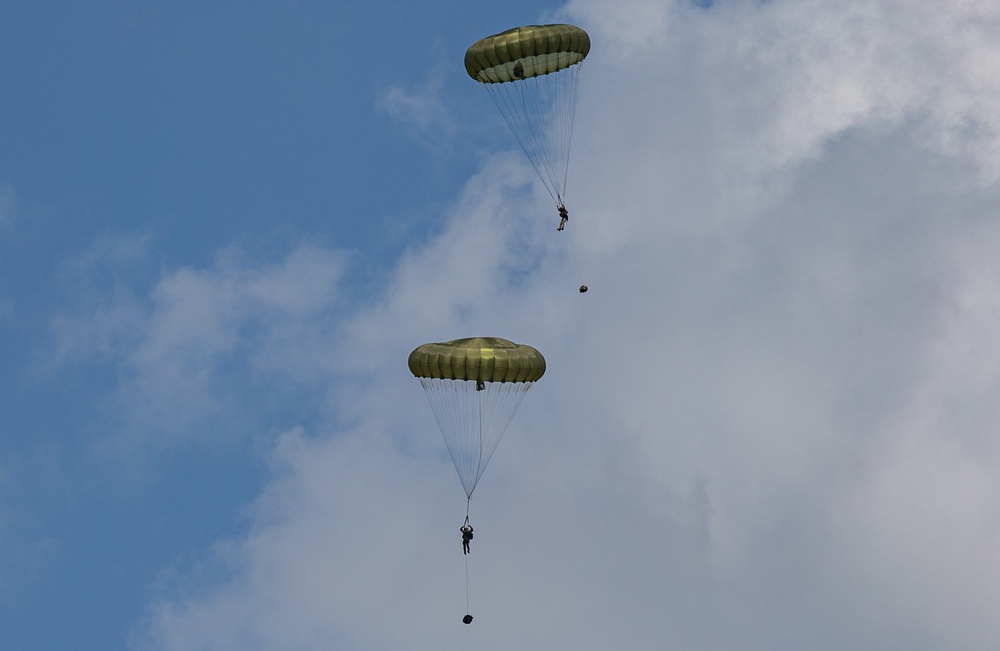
[
  {"x": 468, "y": 618},
  {"x": 563, "y": 218}
]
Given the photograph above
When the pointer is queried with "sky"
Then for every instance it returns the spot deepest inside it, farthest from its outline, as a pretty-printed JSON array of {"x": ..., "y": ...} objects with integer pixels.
[{"x": 770, "y": 423}]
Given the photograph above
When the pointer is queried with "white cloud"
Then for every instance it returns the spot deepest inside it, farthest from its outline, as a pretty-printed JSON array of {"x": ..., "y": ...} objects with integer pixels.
[
  {"x": 421, "y": 108},
  {"x": 423, "y": 105},
  {"x": 750, "y": 90},
  {"x": 770, "y": 424},
  {"x": 194, "y": 355}
]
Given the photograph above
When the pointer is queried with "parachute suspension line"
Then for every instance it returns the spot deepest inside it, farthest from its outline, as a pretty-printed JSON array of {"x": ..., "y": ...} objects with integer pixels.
[
  {"x": 472, "y": 428},
  {"x": 540, "y": 112},
  {"x": 497, "y": 408},
  {"x": 537, "y": 103},
  {"x": 507, "y": 101},
  {"x": 446, "y": 399},
  {"x": 480, "y": 389},
  {"x": 569, "y": 108}
]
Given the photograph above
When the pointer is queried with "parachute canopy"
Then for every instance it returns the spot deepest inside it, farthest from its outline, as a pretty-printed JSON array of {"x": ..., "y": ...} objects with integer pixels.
[
  {"x": 525, "y": 52},
  {"x": 486, "y": 359},
  {"x": 531, "y": 73},
  {"x": 474, "y": 387}
]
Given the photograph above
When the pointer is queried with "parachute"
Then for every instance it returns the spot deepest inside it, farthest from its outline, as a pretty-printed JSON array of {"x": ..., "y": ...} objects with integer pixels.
[
  {"x": 474, "y": 387},
  {"x": 532, "y": 74}
]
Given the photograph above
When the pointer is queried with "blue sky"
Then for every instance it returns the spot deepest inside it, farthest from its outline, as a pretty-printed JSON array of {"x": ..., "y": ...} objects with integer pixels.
[{"x": 769, "y": 424}]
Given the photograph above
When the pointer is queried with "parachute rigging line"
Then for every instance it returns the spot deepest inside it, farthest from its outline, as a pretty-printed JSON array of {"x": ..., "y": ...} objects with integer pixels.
[
  {"x": 540, "y": 112},
  {"x": 472, "y": 421},
  {"x": 480, "y": 388}
]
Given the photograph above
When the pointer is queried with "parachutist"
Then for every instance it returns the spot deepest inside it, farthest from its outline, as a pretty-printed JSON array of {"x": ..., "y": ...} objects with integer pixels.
[
  {"x": 466, "y": 530},
  {"x": 480, "y": 385},
  {"x": 583, "y": 289},
  {"x": 563, "y": 216},
  {"x": 467, "y": 619}
]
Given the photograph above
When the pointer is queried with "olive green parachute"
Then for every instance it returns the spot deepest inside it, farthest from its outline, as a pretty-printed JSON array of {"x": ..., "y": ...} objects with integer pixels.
[
  {"x": 474, "y": 387},
  {"x": 532, "y": 74},
  {"x": 525, "y": 52},
  {"x": 486, "y": 359}
]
